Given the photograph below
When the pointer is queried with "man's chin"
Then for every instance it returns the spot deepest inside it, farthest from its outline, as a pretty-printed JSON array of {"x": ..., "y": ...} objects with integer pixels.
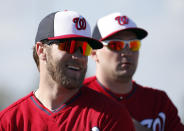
[
  {"x": 71, "y": 83},
  {"x": 124, "y": 75},
  {"x": 72, "y": 86}
]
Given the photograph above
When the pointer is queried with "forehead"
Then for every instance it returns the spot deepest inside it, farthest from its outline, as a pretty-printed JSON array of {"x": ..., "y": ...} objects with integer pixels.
[{"x": 124, "y": 35}]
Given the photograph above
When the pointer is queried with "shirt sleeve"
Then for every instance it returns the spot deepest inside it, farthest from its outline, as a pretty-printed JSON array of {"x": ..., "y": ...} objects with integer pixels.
[
  {"x": 173, "y": 122},
  {"x": 2, "y": 123}
]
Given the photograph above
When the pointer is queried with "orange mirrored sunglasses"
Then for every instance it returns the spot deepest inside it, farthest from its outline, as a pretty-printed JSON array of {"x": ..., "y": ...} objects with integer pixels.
[
  {"x": 70, "y": 46},
  {"x": 118, "y": 45}
]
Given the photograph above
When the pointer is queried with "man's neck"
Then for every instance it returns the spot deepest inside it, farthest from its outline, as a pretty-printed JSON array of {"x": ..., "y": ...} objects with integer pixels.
[
  {"x": 52, "y": 95},
  {"x": 122, "y": 86}
]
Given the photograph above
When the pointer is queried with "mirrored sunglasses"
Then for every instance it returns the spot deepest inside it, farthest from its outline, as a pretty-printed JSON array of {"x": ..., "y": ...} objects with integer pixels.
[
  {"x": 118, "y": 45},
  {"x": 70, "y": 46}
]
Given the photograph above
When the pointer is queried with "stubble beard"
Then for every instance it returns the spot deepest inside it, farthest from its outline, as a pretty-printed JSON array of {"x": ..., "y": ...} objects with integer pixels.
[{"x": 57, "y": 72}]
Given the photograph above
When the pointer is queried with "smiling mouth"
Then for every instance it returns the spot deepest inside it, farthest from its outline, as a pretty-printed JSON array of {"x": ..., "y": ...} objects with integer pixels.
[{"x": 75, "y": 68}]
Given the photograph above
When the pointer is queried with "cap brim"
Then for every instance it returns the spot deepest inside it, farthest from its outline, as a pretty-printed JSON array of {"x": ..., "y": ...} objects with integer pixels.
[
  {"x": 95, "y": 44},
  {"x": 141, "y": 33}
]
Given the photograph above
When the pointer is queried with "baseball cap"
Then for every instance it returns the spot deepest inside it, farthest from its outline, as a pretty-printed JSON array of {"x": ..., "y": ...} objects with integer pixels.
[
  {"x": 66, "y": 25},
  {"x": 113, "y": 23}
]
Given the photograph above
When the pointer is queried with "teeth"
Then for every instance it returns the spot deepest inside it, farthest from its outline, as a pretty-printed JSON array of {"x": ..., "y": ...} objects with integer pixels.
[{"x": 74, "y": 68}]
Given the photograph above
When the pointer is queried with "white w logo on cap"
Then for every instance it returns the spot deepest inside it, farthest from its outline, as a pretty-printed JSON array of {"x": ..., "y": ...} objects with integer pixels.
[
  {"x": 80, "y": 23},
  {"x": 122, "y": 20}
]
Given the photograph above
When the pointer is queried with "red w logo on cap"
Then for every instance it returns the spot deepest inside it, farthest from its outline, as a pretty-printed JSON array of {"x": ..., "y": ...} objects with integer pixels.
[
  {"x": 80, "y": 23},
  {"x": 122, "y": 20}
]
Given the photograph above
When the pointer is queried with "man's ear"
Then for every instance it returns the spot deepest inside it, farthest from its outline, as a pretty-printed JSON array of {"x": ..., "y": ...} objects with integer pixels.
[
  {"x": 40, "y": 50},
  {"x": 94, "y": 55}
]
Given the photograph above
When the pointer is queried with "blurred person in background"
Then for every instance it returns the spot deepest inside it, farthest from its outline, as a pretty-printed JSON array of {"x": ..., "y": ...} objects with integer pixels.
[
  {"x": 61, "y": 103},
  {"x": 116, "y": 63}
]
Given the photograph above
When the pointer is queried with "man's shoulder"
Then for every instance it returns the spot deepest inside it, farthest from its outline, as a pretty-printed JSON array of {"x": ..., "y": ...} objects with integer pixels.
[
  {"x": 102, "y": 101},
  {"x": 150, "y": 91},
  {"x": 89, "y": 80},
  {"x": 15, "y": 107}
]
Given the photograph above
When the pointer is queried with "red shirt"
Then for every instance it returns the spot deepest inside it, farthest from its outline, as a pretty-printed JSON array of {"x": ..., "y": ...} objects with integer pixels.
[
  {"x": 151, "y": 107},
  {"x": 86, "y": 111}
]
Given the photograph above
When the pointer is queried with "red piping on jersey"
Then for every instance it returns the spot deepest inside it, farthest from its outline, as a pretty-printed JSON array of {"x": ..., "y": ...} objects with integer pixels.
[{"x": 58, "y": 109}]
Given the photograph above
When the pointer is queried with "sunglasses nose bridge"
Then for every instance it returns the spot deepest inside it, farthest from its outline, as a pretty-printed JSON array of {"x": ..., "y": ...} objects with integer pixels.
[
  {"x": 126, "y": 46},
  {"x": 78, "y": 50},
  {"x": 126, "y": 50}
]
